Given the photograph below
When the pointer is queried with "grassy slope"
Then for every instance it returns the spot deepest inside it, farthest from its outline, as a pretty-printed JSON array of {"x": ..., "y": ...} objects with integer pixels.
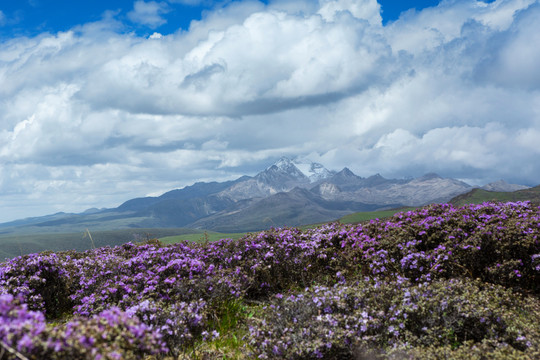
[
  {"x": 200, "y": 237},
  {"x": 478, "y": 196},
  {"x": 348, "y": 219},
  {"x": 475, "y": 196},
  {"x": 15, "y": 245},
  {"x": 365, "y": 216}
]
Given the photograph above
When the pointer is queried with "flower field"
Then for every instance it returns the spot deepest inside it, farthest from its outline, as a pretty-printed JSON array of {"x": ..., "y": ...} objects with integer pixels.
[{"x": 438, "y": 282}]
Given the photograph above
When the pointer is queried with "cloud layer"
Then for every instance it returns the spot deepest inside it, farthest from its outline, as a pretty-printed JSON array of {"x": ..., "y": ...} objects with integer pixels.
[
  {"x": 149, "y": 13},
  {"x": 95, "y": 116}
]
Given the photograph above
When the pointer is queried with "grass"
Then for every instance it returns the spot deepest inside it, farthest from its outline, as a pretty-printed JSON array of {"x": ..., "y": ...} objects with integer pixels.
[
  {"x": 210, "y": 236},
  {"x": 371, "y": 215},
  {"x": 478, "y": 196},
  {"x": 230, "y": 323},
  {"x": 201, "y": 237},
  {"x": 16, "y": 245}
]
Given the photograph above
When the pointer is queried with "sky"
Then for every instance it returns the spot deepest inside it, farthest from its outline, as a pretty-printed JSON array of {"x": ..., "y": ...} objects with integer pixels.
[{"x": 104, "y": 101}]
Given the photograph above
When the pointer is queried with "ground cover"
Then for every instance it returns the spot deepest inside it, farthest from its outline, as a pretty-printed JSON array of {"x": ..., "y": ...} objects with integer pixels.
[
  {"x": 359, "y": 217},
  {"x": 437, "y": 282},
  {"x": 21, "y": 244},
  {"x": 207, "y": 236},
  {"x": 201, "y": 237},
  {"x": 479, "y": 196}
]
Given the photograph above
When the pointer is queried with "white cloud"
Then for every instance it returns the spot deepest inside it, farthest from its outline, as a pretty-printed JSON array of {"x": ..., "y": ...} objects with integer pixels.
[
  {"x": 368, "y": 10},
  {"x": 221, "y": 73},
  {"x": 3, "y": 18},
  {"x": 148, "y": 13},
  {"x": 435, "y": 26},
  {"x": 513, "y": 60},
  {"x": 96, "y": 116}
]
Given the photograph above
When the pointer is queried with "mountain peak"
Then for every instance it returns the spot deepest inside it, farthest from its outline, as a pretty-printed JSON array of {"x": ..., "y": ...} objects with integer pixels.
[
  {"x": 301, "y": 168},
  {"x": 285, "y": 166},
  {"x": 283, "y": 163},
  {"x": 281, "y": 173},
  {"x": 346, "y": 172},
  {"x": 313, "y": 170}
]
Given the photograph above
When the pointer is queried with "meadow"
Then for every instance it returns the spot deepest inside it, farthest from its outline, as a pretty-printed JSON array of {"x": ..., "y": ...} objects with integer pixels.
[
  {"x": 33, "y": 241},
  {"x": 12, "y": 245},
  {"x": 437, "y": 282}
]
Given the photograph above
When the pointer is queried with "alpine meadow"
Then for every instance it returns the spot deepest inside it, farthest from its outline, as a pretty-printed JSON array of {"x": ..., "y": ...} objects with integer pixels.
[{"x": 269, "y": 179}]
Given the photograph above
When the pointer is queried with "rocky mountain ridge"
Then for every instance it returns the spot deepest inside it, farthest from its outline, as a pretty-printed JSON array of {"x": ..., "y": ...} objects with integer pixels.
[
  {"x": 503, "y": 186},
  {"x": 287, "y": 193}
]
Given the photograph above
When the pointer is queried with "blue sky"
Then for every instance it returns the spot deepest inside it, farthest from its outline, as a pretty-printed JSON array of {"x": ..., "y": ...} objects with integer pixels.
[
  {"x": 32, "y": 17},
  {"x": 104, "y": 101}
]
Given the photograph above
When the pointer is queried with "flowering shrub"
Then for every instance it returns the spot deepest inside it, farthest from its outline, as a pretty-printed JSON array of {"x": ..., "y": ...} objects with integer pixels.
[
  {"x": 178, "y": 324},
  {"x": 443, "y": 277},
  {"x": 41, "y": 279},
  {"x": 337, "y": 322},
  {"x": 112, "y": 334},
  {"x": 21, "y": 329},
  {"x": 497, "y": 243}
]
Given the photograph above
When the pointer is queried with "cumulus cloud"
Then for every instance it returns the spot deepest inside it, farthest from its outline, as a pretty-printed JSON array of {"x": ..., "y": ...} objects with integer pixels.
[
  {"x": 512, "y": 60},
  {"x": 361, "y": 9},
  {"x": 148, "y": 13},
  {"x": 107, "y": 115},
  {"x": 222, "y": 74}
]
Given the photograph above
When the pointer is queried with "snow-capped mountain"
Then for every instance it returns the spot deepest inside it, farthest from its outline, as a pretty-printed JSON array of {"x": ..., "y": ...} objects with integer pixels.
[
  {"x": 289, "y": 192},
  {"x": 287, "y": 167},
  {"x": 284, "y": 175},
  {"x": 312, "y": 170}
]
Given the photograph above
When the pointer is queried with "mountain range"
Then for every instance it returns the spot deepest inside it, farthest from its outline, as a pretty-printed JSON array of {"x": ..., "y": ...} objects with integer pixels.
[{"x": 287, "y": 193}]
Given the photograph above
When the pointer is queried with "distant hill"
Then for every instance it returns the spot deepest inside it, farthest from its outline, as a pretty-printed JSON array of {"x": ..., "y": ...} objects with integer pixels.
[
  {"x": 15, "y": 245},
  {"x": 287, "y": 193},
  {"x": 503, "y": 186},
  {"x": 478, "y": 196}
]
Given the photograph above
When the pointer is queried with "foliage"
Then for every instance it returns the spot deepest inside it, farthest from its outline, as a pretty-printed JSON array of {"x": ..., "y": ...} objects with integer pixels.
[
  {"x": 343, "y": 320},
  {"x": 111, "y": 334},
  {"x": 437, "y": 280},
  {"x": 41, "y": 279}
]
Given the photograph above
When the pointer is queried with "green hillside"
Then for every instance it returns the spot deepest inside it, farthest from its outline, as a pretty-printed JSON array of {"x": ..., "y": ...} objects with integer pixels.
[
  {"x": 370, "y": 215},
  {"x": 201, "y": 237},
  {"x": 15, "y": 245},
  {"x": 478, "y": 196}
]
